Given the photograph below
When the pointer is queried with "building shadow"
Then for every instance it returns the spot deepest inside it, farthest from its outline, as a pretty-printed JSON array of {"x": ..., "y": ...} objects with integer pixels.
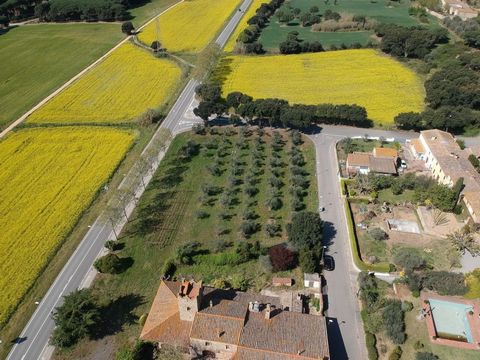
[{"x": 335, "y": 340}]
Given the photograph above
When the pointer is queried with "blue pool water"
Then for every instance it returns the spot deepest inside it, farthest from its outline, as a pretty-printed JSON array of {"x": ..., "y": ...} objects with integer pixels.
[{"x": 451, "y": 320}]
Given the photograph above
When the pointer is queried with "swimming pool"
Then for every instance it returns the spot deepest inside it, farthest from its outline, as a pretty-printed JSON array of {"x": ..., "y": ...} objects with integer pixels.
[{"x": 451, "y": 320}]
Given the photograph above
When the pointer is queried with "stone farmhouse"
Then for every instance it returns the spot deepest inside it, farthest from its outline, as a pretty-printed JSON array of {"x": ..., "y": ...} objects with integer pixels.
[
  {"x": 379, "y": 161},
  {"x": 222, "y": 324},
  {"x": 459, "y": 8},
  {"x": 447, "y": 163}
]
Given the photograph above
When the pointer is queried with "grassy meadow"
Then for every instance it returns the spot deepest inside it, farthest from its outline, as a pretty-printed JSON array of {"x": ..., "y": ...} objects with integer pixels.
[
  {"x": 37, "y": 59},
  {"x": 364, "y": 77},
  {"x": 189, "y": 26},
  {"x": 167, "y": 218},
  {"x": 48, "y": 178},
  {"x": 382, "y": 11},
  {"x": 148, "y": 10},
  {"x": 125, "y": 84}
]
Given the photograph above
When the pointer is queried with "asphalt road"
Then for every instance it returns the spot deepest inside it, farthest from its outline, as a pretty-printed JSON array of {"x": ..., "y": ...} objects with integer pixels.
[
  {"x": 345, "y": 328},
  {"x": 34, "y": 338}
]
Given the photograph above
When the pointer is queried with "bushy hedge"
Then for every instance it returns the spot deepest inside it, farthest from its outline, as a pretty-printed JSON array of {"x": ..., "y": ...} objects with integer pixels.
[{"x": 371, "y": 341}]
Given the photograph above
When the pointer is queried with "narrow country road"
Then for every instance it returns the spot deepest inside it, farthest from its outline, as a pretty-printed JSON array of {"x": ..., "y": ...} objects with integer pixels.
[
  {"x": 33, "y": 341},
  {"x": 345, "y": 328}
]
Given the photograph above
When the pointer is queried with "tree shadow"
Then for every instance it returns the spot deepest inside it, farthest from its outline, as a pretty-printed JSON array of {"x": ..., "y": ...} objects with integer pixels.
[
  {"x": 329, "y": 233},
  {"x": 6, "y": 30},
  {"x": 116, "y": 314}
]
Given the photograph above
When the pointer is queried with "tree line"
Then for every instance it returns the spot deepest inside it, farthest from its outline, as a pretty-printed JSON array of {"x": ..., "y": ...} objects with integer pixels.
[
  {"x": 247, "y": 40},
  {"x": 452, "y": 96},
  {"x": 275, "y": 112},
  {"x": 469, "y": 29},
  {"x": 67, "y": 10}
]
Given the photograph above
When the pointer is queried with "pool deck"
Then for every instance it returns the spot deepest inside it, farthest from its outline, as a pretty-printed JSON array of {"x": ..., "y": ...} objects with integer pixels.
[{"x": 473, "y": 321}]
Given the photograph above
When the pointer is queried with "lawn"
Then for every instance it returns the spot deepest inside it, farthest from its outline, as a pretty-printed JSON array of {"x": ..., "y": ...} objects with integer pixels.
[
  {"x": 364, "y": 77},
  {"x": 37, "y": 59},
  {"x": 124, "y": 85},
  {"x": 48, "y": 178},
  {"x": 382, "y": 11},
  {"x": 166, "y": 218},
  {"x": 190, "y": 26}
]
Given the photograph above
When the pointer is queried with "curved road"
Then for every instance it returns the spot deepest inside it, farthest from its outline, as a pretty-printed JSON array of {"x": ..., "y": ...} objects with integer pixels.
[{"x": 33, "y": 340}]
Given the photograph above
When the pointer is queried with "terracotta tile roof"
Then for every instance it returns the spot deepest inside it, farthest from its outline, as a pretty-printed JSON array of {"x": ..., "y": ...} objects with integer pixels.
[
  {"x": 163, "y": 322},
  {"x": 473, "y": 198},
  {"x": 226, "y": 308},
  {"x": 251, "y": 354},
  {"x": 385, "y": 153},
  {"x": 218, "y": 328},
  {"x": 358, "y": 159},
  {"x": 286, "y": 333},
  {"x": 382, "y": 165},
  {"x": 418, "y": 146}
]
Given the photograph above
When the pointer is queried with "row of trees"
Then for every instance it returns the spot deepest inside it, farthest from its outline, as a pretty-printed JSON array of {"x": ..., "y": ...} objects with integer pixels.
[
  {"x": 276, "y": 112},
  {"x": 247, "y": 40},
  {"x": 67, "y": 10},
  {"x": 293, "y": 45}
]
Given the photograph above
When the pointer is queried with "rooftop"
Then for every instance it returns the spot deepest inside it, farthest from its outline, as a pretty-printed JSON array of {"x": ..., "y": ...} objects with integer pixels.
[
  {"x": 418, "y": 146},
  {"x": 380, "y": 152}
]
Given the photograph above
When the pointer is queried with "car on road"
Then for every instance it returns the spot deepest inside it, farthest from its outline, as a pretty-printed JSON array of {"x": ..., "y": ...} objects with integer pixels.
[
  {"x": 328, "y": 263},
  {"x": 321, "y": 209},
  {"x": 403, "y": 164}
]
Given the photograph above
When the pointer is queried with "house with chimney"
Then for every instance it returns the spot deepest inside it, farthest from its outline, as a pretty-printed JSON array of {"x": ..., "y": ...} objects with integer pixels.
[
  {"x": 227, "y": 324},
  {"x": 447, "y": 163}
]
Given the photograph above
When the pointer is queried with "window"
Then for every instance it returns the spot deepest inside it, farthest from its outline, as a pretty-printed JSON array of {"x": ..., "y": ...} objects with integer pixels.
[
  {"x": 188, "y": 308},
  {"x": 227, "y": 347},
  {"x": 207, "y": 343}
]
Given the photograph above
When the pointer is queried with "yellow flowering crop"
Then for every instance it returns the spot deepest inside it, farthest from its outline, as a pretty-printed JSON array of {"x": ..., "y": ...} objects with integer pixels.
[
  {"x": 230, "y": 46},
  {"x": 363, "y": 77},
  {"x": 120, "y": 88},
  {"x": 48, "y": 177},
  {"x": 191, "y": 25}
]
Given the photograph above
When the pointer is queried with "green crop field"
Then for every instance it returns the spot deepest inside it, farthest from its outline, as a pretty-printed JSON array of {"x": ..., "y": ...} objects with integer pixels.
[
  {"x": 383, "y": 11},
  {"x": 37, "y": 59}
]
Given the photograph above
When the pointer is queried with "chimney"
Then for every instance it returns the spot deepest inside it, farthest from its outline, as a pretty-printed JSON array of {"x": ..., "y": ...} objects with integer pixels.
[
  {"x": 268, "y": 312},
  {"x": 211, "y": 304},
  {"x": 250, "y": 306}
]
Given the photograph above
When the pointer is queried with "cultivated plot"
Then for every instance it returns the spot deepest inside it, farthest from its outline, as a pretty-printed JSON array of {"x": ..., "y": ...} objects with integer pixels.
[
  {"x": 117, "y": 90},
  {"x": 37, "y": 59},
  {"x": 48, "y": 177},
  {"x": 189, "y": 26},
  {"x": 363, "y": 77}
]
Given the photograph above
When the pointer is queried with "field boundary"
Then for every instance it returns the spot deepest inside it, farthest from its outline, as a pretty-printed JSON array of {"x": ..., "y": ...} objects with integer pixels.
[{"x": 22, "y": 118}]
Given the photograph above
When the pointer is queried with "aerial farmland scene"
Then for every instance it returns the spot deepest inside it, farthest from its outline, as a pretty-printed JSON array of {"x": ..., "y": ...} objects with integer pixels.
[{"x": 240, "y": 179}]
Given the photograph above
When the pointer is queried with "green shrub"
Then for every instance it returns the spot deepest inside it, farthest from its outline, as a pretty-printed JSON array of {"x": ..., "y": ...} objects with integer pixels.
[
  {"x": 112, "y": 245},
  {"x": 378, "y": 234},
  {"x": 396, "y": 353},
  {"x": 371, "y": 341},
  {"x": 393, "y": 318},
  {"x": 169, "y": 268},
  {"x": 445, "y": 283},
  {"x": 407, "y": 306},
  {"x": 418, "y": 345},
  {"x": 200, "y": 214},
  {"x": 109, "y": 264},
  {"x": 409, "y": 259}
]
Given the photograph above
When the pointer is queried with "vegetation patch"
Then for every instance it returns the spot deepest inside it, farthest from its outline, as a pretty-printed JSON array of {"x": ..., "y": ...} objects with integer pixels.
[
  {"x": 362, "y": 77},
  {"x": 189, "y": 26},
  {"x": 117, "y": 90},
  {"x": 48, "y": 178}
]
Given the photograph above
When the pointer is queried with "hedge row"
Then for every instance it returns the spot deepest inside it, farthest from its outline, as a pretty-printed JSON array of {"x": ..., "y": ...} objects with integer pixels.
[{"x": 352, "y": 234}]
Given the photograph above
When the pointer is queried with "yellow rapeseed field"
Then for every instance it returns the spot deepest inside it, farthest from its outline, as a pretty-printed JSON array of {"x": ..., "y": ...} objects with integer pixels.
[
  {"x": 48, "y": 177},
  {"x": 230, "y": 46},
  {"x": 191, "y": 25},
  {"x": 120, "y": 88},
  {"x": 364, "y": 77}
]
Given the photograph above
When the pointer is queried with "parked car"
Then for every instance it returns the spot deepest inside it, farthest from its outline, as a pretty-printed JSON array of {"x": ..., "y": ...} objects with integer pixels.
[
  {"x": 328, "y": 263},
  {"x": 403, "y": 164}
]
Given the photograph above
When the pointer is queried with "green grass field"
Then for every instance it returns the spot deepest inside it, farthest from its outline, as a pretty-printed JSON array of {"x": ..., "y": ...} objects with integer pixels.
[
  {"x": 165, "y": 219},
  {"x": 383, "y": 11},
  {"x": 37, "y": 59}
]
